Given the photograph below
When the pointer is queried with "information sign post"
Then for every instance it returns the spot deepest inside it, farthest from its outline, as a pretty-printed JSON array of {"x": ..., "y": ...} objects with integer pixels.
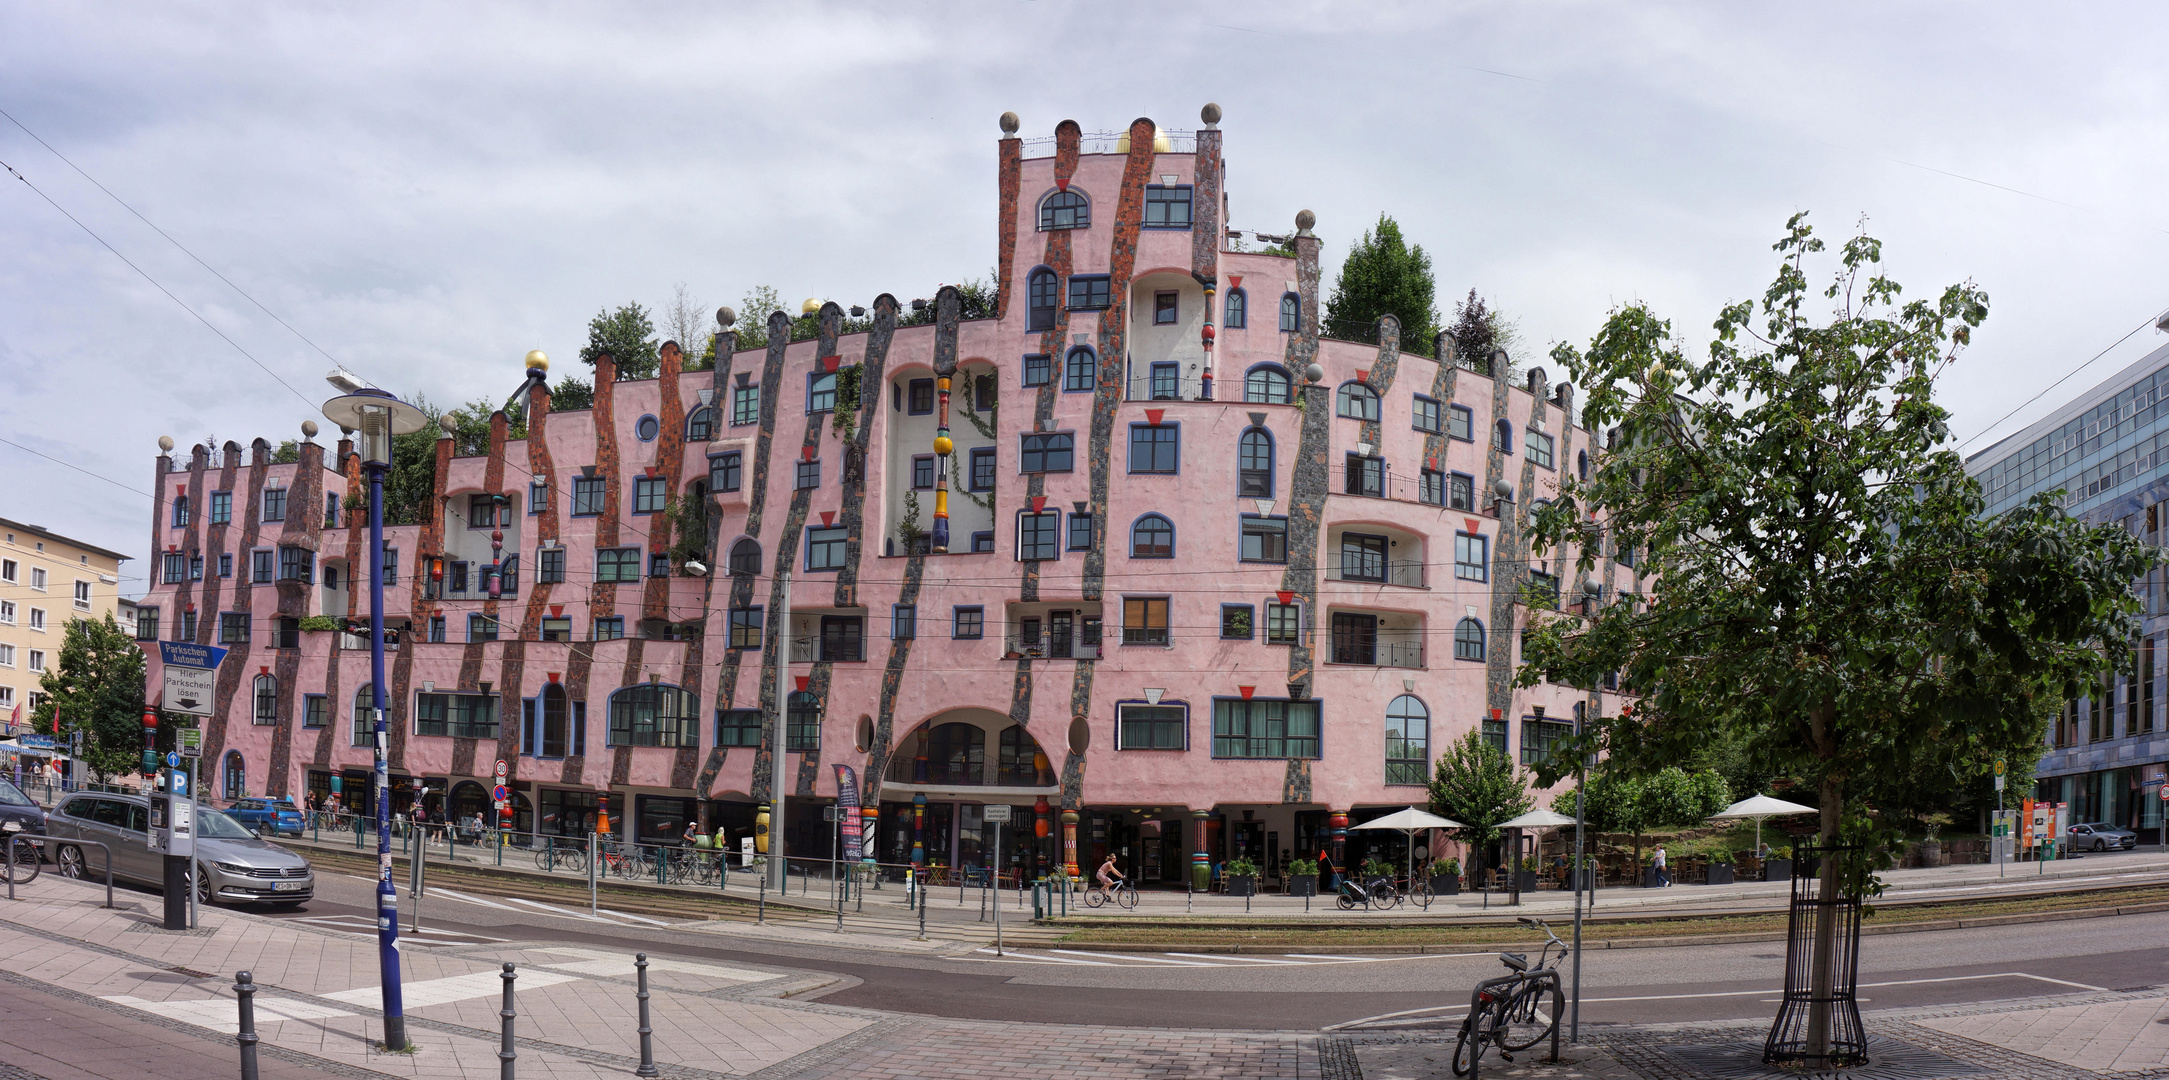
[{"x": 997, "y": 815}]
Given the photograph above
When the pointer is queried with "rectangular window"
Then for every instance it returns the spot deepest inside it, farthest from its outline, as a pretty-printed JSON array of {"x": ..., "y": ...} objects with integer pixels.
[
  {"x": 7, "y": 612},
  {"x": 1283, "y": 624},
  {"x": 1495, "y": 735},
  {"x": 1238, "y": 621},
  {"x": 1366, "y": 475},
  {"x": 921, "y": 399},
  {"x": 1265, "y": 539},
  {"x": 1461, "y": 491},
  {"x": 825, "y": 548},
  {"x": 802, "y": 724},
  {"x": 1167, "y": 206},
  {"x": 1166, "y": 381},
  {"x": 260, "y": 567},
  {"x": 7, "y": 655},
  {"x": 550, "y": 564},
  {"x": 1540, "y": 448},
  {"x": 274, "y": 504},
  {"x": 1460, "y": 423},
  {"x": 745, "y": 405},
  {"x": 982, "y": 465},
  {"x": 1163, "y": 309},
  {"x": 1539, "y": 735},
  {"x": 1039, "y": 536},
  {"x": 617, "y": 564},
  {"x": 726, "y": 471},
  {"x": 1472, "y": 557},
  {"x": 1152, "y": 727},
  {"x": 903, "y": 621},
  {"x": 1425, "y": 416},
  {"x": 1363, "y": 557},
  {"x": 315, "y": 711},
  {"x": 1038, "y": 369},
  {"x": 461, "y": 716},
  {"x": 922, "y": 472},
  {"x": 233, "y": 628},
  {"x": 8, "y": 571},
  {"x": 1080, "y": 532},
  {"x": 968, "y": 623},
  {"x": 436, "y": 628},
  {"x": 146, "y": 623},
  {"x": 1543, "y": 589},
  {"x": 1265, "y": 728},
  {"x": 331, "y": 511},
  {"x": 1048, "y": 452},
  {"x": 187, "y": 628},
  {"x": 610, "y": 628},
  {"x": 1089, "y": 292},
  {"x": 482, "y": 512},
  {"x": 2147, "y": 709},
  {"x": 195, "y": 569},
  {"x": 175, "y": 566},
  {"x": 821, "y": 392},
  {"x": 538, "y": 496},
  {"x": 221, "y": 507},
  {"x": 556, "y": 629},
  {"x": 809, "y": 474},
  {"x": 658, "y": 564},
  {"x": 297, "y": 564},
  {"x": 1144, "y": 620},
  {"x": 481, "y": 627},
  {"x": 649, "y": 492},
  {"x": 1155, "y": 448},
  {"x": 745, "y": 628},
  {"x": 843, "y": 638},
  {"x": 37, "y": 618},
  {"x": 37, "y": 663},
  {"x": 587, "y": 496},
  {"x": 225, "y": 564},
  {"x": 983, "y": 542},
  {"x": 738, "y": 727},
  {"x": 1431, "y": 487},
  {"x": 1081, "y": 371}
]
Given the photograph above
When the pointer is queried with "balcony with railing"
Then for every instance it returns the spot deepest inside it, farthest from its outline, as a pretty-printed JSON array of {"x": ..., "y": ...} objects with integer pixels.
[
  {"x": 1059, "y": 630},
  {"x": 1376, "y": 555},
  {"x": 828, "y": 637},
  {"x": 1375, "y": 638}
]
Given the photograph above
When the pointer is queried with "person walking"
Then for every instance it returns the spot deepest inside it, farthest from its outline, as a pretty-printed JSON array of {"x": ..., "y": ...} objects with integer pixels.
[{"x": 1664, "y": 873}]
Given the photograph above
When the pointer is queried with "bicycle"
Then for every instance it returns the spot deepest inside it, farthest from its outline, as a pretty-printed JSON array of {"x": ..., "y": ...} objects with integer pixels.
[
  {"x": 23, "y": 860},
  {"x": 1380, "y": 894},
  {"x": 553, "y": 856},
  {"x": 1518, "y": 1015},
  {"x": 1123, "y": 892},
  {"x": 624, "y": 865}
]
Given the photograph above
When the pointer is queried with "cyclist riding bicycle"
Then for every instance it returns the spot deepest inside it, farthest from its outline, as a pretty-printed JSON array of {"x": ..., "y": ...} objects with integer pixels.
[{"x": 1107, "y": 874}]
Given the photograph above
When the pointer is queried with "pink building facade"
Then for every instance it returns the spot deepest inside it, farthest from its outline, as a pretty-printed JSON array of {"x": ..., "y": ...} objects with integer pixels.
[{"x": 1206, "y": 582}]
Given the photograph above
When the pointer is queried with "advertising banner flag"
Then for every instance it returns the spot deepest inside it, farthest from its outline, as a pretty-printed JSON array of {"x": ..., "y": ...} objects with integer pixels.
[{"x": 847, "y": 797}]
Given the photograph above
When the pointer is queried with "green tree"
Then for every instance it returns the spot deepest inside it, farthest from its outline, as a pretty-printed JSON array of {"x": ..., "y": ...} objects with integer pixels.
[
  {"x": 1478, "y": 330},
  {"x": 1476, "y": 784},
  {"x": 1829, "y": 591},
  {"x": 1383, "y": 275},
  {"x": 628, "y": 336},
  {"x": 570, "y": 394},
  {"x": 97, "y": 689},
  {"x": 1669, "y": 798}
]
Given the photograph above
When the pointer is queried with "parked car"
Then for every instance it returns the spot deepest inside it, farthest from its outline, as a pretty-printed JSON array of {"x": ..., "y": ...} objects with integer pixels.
[
  {"x": 231, "y": 863},
  {"x": 268, "y": 817},
  {"x": 2101, "y": 836},
  {"x": 20, "y": 815}
]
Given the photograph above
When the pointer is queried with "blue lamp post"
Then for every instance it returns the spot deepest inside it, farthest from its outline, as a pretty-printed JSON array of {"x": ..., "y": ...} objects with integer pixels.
[{"x": 377, "y": 416}]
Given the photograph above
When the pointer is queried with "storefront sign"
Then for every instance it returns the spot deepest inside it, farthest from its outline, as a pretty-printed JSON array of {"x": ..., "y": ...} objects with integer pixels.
[{"x": 847, "y": 799}]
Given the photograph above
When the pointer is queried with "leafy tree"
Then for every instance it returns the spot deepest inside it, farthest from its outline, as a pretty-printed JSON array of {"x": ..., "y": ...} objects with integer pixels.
[
  {"x": 97, "y": 689},
  {"x": 1476, "y": 784},
  {"x": 627, "y": 336},
  {"x": 1829, "y": 592},
  {"x": 1478, "y": 330},
  {"x": 685, "y": 322},
  {"x": 1669, "y": 798},
  {"x": 570, "y": 394},
  {"x": 1383, "y": 275}
]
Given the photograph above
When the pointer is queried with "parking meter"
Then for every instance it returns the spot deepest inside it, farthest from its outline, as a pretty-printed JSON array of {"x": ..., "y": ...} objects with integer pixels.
[{"x": 172, "y": 836}]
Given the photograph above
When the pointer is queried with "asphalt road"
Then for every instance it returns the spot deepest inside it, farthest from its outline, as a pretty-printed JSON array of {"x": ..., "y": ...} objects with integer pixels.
[{"x": 1307, "y": 992}]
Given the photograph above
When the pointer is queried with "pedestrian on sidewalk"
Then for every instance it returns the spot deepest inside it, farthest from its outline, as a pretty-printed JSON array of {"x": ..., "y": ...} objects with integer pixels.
[{"x": 1664, "y": 873}]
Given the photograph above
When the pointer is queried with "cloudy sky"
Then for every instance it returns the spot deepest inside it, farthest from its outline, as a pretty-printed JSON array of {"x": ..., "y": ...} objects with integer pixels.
[{"x": 429, "y": 191}]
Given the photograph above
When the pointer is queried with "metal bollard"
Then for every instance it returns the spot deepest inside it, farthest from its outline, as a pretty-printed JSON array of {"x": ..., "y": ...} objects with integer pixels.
[
  {"x": 760, "y": 913},
  {"x": 506, "y": 1055},
  {"x": 922, "y": 917},
  {"x": 244, "y": 989},
  {"x": 647, "y": 1037}
]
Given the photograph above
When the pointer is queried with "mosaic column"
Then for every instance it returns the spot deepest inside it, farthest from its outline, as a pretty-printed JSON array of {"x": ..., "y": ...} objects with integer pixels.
[
  {"x": 942, "y": 446},
  {"x": 869, "y": 833},
  {"x": 1337, "y": 844},
  {"x": 1069, "y": 842},
  {"x": 1205, "y": 337},
  {"x": 1201, "y": 863},
  {"x": 918, "y": 828}
]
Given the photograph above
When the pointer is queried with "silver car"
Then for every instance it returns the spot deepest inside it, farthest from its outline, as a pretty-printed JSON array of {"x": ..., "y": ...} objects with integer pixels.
[
  {"x": 2101, "y": 836},
  {"x": 231, "y": 863}
]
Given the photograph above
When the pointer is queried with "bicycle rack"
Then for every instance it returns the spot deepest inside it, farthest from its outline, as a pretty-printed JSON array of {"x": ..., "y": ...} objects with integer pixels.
[{"x": 1515, "y": 982}]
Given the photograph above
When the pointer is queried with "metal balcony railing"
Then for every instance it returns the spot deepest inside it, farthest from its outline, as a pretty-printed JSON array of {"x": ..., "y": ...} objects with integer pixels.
[
  {"x": 1397, "y": 651},
  {"x": 1408, "y": 573},
  {"x": 1051, "y": 647}
]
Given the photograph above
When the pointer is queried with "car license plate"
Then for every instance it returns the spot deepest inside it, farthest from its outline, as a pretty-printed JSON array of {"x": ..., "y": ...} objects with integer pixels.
[{"x": 288, "y": 886}]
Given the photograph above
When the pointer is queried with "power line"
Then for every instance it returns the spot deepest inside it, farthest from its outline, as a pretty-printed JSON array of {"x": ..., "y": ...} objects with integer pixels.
[
  {"x": 77, "y": 468},
  {"x": 2059, "y": 382}
]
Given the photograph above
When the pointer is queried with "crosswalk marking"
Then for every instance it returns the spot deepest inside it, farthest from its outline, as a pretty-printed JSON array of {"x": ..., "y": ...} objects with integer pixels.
[
  {"x": 421, "y": 995},
  {"x": 1240, "y": 959},
  {"x": 1141, "y": 959},
  {"x": 466, "y": 899},
  {"x": 1021, "y": 958},
  {"x": 222, "y": 1014},
  {"x": 620, "y": 965}
]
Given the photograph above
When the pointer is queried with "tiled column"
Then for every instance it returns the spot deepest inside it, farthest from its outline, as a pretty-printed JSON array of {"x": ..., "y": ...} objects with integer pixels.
[
  {"x": 1201, "y": 863},
  {"x": 1337, "y": 844}
]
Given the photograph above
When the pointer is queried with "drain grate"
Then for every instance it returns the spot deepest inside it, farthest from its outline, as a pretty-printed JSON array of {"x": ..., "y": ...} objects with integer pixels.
[{"x": 1888, "y": 1059}]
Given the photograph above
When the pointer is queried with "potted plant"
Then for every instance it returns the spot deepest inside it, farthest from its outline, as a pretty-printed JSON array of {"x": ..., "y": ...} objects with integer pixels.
[
  {"x": 1778, "y": 867},
  {"x": 1720, "y": 870},
  {"x": 1587, "y": 871},
  {"x": 1446, "y": 877},
  {"x": 318, "y": 624},
  {"x": 1242, "y": 876},
  {"x": 1374, "y": 869},
  {"x": 1302, "y": 877}
]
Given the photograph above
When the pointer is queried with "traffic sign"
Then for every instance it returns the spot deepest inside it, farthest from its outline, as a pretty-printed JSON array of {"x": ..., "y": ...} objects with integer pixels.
[
  {"x": 173, "y": 761},
  {"x": 501, "y": 770},
  {"x": 191, "y": 676},
  {"x": 499, "y": 794},
  {"x": 997, "y": 813},
  {"x": 2001, "y": 766},
  {"x": 191, "y": 742},
  {"x": 2165, "y": 793}
]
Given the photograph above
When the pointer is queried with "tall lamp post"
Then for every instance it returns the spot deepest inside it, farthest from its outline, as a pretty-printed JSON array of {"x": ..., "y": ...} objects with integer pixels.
[{"x": 378, "y": 416}]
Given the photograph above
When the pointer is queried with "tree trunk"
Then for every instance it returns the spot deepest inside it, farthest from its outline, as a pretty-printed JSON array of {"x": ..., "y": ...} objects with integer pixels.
[{"x": 1822, "y": 965}]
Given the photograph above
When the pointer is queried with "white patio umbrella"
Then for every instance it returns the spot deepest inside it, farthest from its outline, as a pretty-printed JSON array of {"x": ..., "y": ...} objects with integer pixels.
[
  {"x": 1407, "y": 822},
  {"x": 1759, "y": 807},
  {"x": 1534, "y": 819}
]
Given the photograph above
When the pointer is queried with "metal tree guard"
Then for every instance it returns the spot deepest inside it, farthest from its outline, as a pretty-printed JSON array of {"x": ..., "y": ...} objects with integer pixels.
[{"x": 1796, "y": 1038}]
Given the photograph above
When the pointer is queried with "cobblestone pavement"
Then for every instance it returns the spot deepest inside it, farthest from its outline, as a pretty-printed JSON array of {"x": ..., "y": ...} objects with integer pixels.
[{"x": 94, "y": 994}]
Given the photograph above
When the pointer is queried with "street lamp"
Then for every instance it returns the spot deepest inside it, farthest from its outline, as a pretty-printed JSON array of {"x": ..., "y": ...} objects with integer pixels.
[
  {"x": 377, "y": 416},
  {"x": 1592, "y": 591}
]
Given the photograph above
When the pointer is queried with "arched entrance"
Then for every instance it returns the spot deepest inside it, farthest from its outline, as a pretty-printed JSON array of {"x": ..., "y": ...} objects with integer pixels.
[{"x": 940, "y": 779}]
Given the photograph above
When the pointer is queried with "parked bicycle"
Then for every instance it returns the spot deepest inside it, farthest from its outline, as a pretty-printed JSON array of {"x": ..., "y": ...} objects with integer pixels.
[
  {"x": 1377, "y": 893},
  {"x": 1123, "y": 893},
  {"x": 22, "y": 860},
  {"x": 1518, "y": 1014},
  {"x": 626, "y": 861},
  {"x": 556, "y": 856}
]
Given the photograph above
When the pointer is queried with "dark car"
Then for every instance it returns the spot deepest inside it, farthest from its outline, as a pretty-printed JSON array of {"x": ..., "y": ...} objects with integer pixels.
[
  {"x": 267, "y": 817},
  {"x": 19, "y": 816},
  {"x": 2101, "y": 836}
]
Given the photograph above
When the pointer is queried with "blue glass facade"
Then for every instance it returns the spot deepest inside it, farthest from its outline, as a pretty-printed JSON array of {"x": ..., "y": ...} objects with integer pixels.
[{"x": 2106, "y": 753}]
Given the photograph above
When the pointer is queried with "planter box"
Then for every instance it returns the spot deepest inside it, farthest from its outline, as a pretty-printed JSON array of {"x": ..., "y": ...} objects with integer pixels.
[
  {"x": 1242, "y": 886},
  {"x": 1303, "y": 885},
  {"x": 1527, "y": 882},
  {"x": 1777, "y": 870},
  {"x": 1719, "y": 874},
  {"x": 1446, "y": 885},
  {"x": 1588, "y": 877}
]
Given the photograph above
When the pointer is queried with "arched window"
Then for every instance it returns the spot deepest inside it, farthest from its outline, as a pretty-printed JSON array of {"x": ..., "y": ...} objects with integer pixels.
[
  {"x": 746, "y": 557},
  {"x": 364, "y": 721},
  {"x": 267, "y": 699},
  {"x": 1041, "y": 290},
  {"x": 956, "y": 754},
  {"x": 802, "y": 722},
  {"x": 556, "y": 722},
  {"x": 1469, "y": 640},
  {"x": 1581, "y": 463},
  {"x": 1238, "y": 312},
  {"x": 1065, "y": 210},
  {"x": 1153, "y": 537},
  {"x": 236, "y": 775},
  {"x": 1291, "y": 313},
  {"x": 1358, "y": 401},
  {"x": 180, "y": 511},
  {"x": 1267, "y": 384},
  {"x": 1081, "y": 371},
  {"x": 653, "y": 714},
  {"x": 1254, "y": 464},
  {"x": 1408, "y": 741},
  {"x": 700, "y": 427},
  {"x": 1503, "y": 436},
  {"x": 1018, "y": 763}
]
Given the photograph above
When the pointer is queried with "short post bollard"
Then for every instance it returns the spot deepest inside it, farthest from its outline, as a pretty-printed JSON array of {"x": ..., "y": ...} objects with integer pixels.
[
  {"x": 506, "y": 1055},
  {"x": 244, "y": 989},
  {"x": 760, "y": 912},
  {"x": 647, "y": 1033},
  {"x": 922, "y": 916}
]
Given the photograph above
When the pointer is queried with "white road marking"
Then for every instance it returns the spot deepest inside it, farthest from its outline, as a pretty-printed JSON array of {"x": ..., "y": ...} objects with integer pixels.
[
  {"x": 597, "y": 962},
  {"x": 222, "y": 1014},
  {"x": 555, "y": 910},
  {"x": 1024, "y": 958},
  {"x": 1131, "y": 956},
  {"x": 1372, "y": 959},
  {"x": 466, "y": 899},
  {"x": 1231, "y": 956},
  {"x": 421, "y": 995},
  {"x": 636, "y": 918}
]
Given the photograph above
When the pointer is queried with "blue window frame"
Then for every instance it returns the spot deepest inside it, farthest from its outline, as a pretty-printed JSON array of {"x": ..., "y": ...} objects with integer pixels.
[
  {"x": 809, "y": 474},
  {"x": 481, "y": 627},
  {"x": 1166, "y": 308},
  {"x": 1237, "y": 316},
  {"x": 726, "y": 471},
  {"x": 1152, "y": 537},
  {"x": 1238, "y": 622},
  {"x": 1291, "y": 313},
  {"x": 903, "y": 621},
  {"x": 647, "y": 427},
  {"x": 1067, "y": 209},
  {"x": 1156, "y": 448},
  {"x": 1043, "y": 292},
  {"x": 1081, "y": 369},
  {"x": 1090, "y": 292},
  {"x": 1038, "y": 535},
  {"x": 1469, "y": 640},
  {"x": 1048, "y": 451},
  {"x": 1167, "y": 206},
  {"x": 1460, "y": 424},
  {"x": 180, "y": 511},
  {"x": 649, "y": 494},
  {"x": 920, "y": 397},
  {"x": 745, "y": 405},
  {"x": 983, "y": 542},
  {"x": 700, "y": 427},
  {"x": 221, "y": 507},
  {"x": 1268, "y": 384},
  {"x": 1357, "y": 401},
  {"x": 1460, "y": 491},
  {"x": 610, "y": 628},
  {"x": 658, "y": 564},
  {"x": 538, "y": 495},
  {"x": 1080, "y": 532},
  {"x": 1254, "y": 464},
  {"x": 1166, "y": 380},
  {"x": 820, "y": 391},
  {"x": 1038, "y": 369},
  {"x": 1502, "y": 438},
  {"x": 587, "y": 496},
  {"x": 1472, "y": 557},
  {"x": 1264, "y": 539},
  {"x": 1431, "y": 487},
  {"x": 1424, "y": 416},
  {"x": 617, "y": 564},
  {"x": 982, "y": 463},
  {"x": 922, "y": 472}
]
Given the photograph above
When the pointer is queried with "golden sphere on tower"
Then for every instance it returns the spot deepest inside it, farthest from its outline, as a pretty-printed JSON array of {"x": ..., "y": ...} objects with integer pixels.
[
  {"x": 942, "y": 445},
  {"x": 538, "y": 359},
  {"x": 810, "y": 307}
]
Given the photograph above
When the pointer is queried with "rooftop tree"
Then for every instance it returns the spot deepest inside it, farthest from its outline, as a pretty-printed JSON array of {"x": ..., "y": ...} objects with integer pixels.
[
  {"x": 1828, "y": 590},
  {"x": 627, "y": 335},
  {"x": 1384, "y": 275}
]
